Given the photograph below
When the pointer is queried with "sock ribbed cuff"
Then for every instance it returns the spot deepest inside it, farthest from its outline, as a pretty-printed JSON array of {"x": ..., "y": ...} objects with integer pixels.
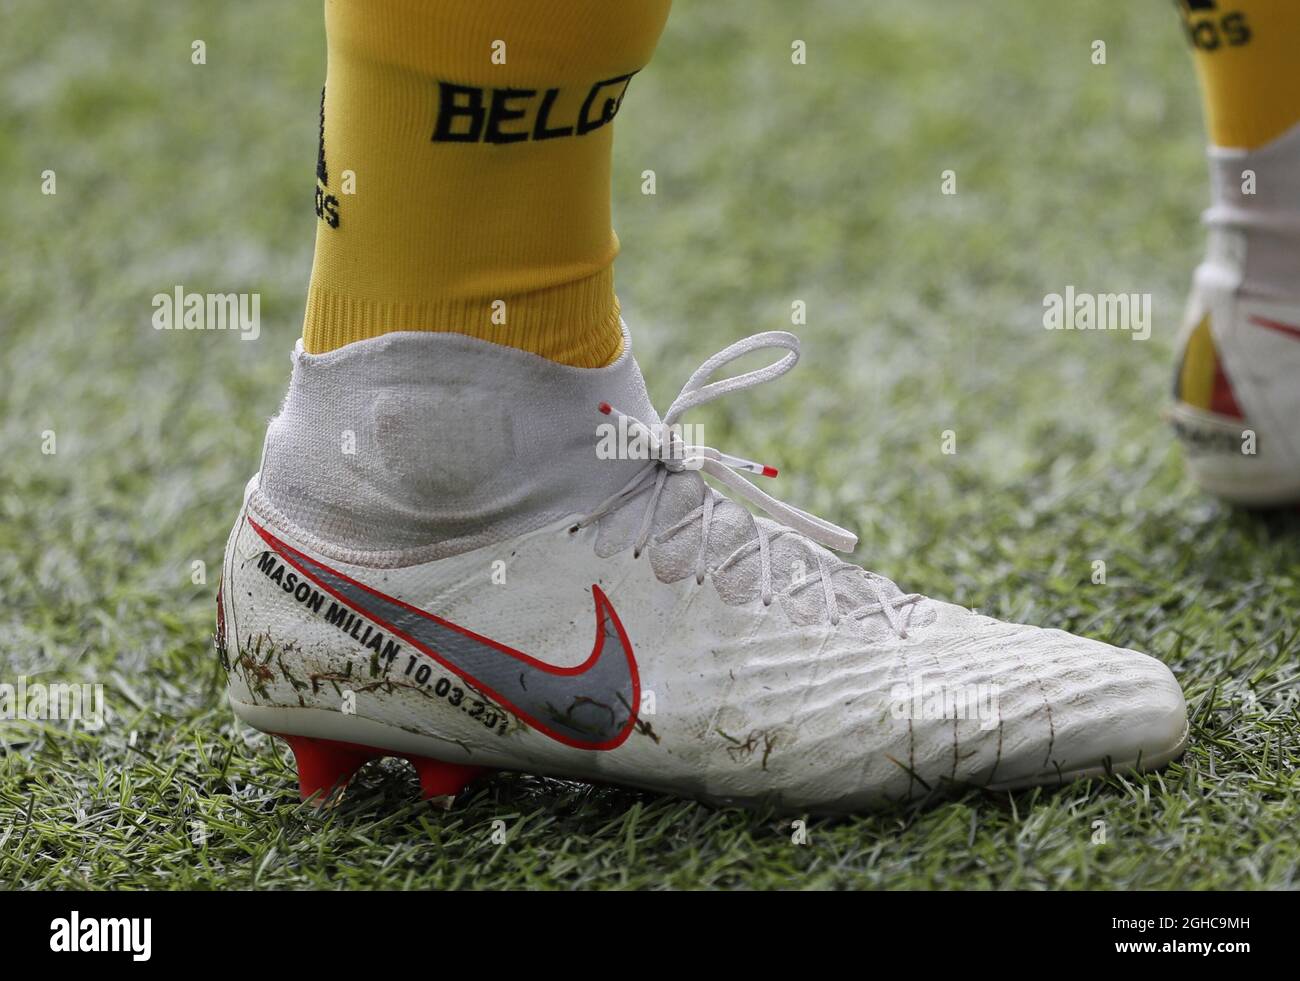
[{"x": 575, "y": 324}]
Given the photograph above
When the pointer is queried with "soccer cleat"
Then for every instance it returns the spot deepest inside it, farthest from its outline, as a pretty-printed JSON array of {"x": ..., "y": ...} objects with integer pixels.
[
  {"x": 1236, "y": 406},
  {"x": 469, "y": 557}
]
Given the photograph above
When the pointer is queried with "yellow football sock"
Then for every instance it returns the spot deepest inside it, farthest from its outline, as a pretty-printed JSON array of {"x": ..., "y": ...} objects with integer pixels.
[
  {"x": 463, "y": 177},
  {"x": 1248, "y": 60}
]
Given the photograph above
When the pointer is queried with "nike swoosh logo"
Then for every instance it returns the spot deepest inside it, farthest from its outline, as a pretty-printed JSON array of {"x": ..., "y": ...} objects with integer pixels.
[
  {"x": 1277, "y": 325},
  {"x": 590, "y": 706}
]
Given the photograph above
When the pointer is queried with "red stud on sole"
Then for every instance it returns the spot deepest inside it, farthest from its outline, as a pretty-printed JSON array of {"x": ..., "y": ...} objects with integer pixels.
[
  {"x": 327, "y": 763},
  {"x": 439, "y": 779}
]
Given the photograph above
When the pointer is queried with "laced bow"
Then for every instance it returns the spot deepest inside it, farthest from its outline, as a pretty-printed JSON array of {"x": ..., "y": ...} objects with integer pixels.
[{"x": 670, "y": 454}]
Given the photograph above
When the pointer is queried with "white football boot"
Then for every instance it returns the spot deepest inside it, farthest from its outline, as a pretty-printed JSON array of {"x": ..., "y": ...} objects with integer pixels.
[
  {"x": 441, "y": 526},
  {"x": 1236, "y": 404}
]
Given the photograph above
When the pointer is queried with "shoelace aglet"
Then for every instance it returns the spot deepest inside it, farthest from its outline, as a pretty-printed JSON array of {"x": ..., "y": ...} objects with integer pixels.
[
  {"x": 740, "y": 463},
  {"x": 636, "y": 425}
]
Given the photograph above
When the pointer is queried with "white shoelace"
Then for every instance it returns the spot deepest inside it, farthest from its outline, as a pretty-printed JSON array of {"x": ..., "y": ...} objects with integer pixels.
[{"x": 674, "y": 456}]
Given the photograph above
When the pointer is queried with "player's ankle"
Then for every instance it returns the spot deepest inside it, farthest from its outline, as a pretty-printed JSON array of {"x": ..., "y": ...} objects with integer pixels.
[{"x": 438, "y": 442}]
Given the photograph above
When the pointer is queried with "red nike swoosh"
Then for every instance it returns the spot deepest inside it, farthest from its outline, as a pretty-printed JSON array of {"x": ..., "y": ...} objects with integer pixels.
[
  {"x": 1289, "y": 329},
  {"x": 590, "y": 706}
]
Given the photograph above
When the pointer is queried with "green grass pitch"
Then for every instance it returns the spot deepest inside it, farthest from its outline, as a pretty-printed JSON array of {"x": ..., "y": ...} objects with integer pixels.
[{"x": 775, "y": 182}]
